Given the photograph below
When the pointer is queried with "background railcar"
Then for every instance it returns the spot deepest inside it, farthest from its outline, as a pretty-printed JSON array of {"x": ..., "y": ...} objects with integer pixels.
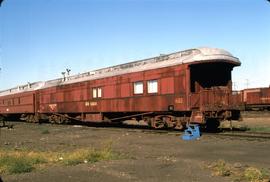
[
  {"x": 256, "y": 98},
  {"x": 166, "y": 91},
  {"x": 15, "y": 105}
]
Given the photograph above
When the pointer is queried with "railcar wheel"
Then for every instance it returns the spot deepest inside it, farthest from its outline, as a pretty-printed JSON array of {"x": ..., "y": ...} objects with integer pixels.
[
  {"x": 55, "y": 119},
  {"x": 157, "y": 124},
  {"x": 52, "y": 119},
  {"x": 30, "y": 118},
  {"x": 179, "y": 126}
]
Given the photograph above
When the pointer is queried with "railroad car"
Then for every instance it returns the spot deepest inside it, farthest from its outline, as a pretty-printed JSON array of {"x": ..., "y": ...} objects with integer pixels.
[
  {"x": 169, "y": 90},
  {"x": 256, "y": 98}
]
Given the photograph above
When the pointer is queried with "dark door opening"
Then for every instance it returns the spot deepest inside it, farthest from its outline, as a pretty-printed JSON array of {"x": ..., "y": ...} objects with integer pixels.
[{"x": 208, "y": 75}]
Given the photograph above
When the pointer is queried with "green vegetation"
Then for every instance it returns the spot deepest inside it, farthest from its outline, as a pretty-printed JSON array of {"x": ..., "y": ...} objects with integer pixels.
[
  {"x": 89, "y": 155},
  {"x": 220, "y": 168},
  {"x": 259, "y": 129},
  {"x": 244, "y": 127},
  {"x": 238, "y": 172},
  {"x": 20, "y": 161},
  {"x": 255, "y": 175},
  {"x": 45, "y": 131}
]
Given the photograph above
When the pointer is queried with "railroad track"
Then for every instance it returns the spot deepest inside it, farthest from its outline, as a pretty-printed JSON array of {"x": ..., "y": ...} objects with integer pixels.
[
  {"x": 246, "y": 134},
  {"x": 145, "y": 129},
  {"x": 232, "y": 134}
]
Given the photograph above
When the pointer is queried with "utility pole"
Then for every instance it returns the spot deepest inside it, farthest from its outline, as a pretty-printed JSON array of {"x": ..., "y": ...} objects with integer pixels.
[
  {"x": 234, "y": 85},
  {"x": 247, "y": 83}
]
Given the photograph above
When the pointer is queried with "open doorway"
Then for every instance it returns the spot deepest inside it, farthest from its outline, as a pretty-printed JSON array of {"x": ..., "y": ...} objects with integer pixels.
[{"x": 208, "y": 75}]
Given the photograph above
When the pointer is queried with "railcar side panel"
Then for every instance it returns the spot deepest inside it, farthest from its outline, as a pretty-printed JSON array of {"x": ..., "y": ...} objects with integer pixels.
[
  {"x": 256, "y": 98},
  {"x": 17, "y": 103},
  {"x": 118, "y": 94}
]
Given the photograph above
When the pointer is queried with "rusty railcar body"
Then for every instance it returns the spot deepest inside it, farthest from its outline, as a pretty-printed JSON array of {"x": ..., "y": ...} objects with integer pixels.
[
  {"x": 256, "y": 98},
  {"x": 166, "y": 91}
]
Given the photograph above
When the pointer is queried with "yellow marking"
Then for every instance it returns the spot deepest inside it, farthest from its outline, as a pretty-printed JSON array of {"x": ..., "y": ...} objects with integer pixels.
[{"x": 179, "y": 100}]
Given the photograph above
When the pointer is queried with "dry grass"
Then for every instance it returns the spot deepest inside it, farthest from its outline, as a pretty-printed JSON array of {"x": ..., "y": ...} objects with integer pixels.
[
  {"x": 21, "y": 161},
  {"x": 255, "y": 175},
  {"x": 239, "y": 172},
  {"x": 220, "y": 168}
]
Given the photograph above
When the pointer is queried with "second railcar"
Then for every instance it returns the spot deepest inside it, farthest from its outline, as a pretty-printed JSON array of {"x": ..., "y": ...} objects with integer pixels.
[{"x": 256, "y": 98}]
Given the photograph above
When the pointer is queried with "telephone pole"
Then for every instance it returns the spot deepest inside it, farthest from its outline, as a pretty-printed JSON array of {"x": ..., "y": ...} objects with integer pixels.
[{"x": 247, "y": 83}]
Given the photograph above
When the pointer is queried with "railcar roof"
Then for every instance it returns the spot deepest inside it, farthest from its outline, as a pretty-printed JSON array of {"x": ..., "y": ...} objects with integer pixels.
[{"x": 190, "y": 56}]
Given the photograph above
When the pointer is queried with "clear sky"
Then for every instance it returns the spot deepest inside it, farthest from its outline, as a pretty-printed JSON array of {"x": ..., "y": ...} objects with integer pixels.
[{"x": 41, "y": 38}]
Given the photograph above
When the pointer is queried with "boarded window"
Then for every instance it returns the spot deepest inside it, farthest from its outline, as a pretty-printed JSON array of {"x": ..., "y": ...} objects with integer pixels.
[
  {"x": 152, "y": 86},
  {"x": 138, "y": 87},
  {"x": 167, "y": 85},
  {"x": 125, "y": 90}
]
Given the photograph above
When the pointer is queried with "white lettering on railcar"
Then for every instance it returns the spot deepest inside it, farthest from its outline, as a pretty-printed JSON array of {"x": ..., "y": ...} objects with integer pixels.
[
  {"x": 93, "y": 103},
  {"x": 87, "y": 103},
  {"x": 265, "y": 98}
]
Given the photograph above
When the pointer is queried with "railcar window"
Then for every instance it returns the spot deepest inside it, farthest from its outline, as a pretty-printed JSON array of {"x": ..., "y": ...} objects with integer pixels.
[
  {"x": 97, "y": 92},
  {"x": 152, "y": 86},
  {"x": 94, "y": 93},
  {"x": 138, "y": 87}
]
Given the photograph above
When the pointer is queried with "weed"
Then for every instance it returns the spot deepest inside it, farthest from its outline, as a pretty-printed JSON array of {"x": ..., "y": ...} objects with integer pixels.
[
  {"x": 21, "y": 161},
  {"x": 89, "y": 155},
  {"x": 220, "y": 168},
  {"x": 253, "y": 174},
  {"x": 18, "y": 163},
  {"x": 259, "y": 129},
  {"x": 238, "y": 172},
  {"x": 45, "y": 131}
]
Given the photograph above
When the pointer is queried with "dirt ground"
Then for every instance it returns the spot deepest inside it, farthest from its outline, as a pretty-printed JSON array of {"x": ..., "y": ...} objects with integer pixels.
[
  {"x": 256, "y": 119},
  {"x": 148, "y": 156}
]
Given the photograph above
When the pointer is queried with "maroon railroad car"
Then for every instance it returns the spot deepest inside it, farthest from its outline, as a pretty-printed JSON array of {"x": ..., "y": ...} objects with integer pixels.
[
  {"x": 166, "y": 91},
  {"x": 13, "y": 105},
  {"x": 256, "y": 98}
]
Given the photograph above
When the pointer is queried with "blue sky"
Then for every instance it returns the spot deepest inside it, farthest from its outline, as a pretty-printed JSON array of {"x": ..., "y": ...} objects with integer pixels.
[{"x": 41, "y": 38}]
